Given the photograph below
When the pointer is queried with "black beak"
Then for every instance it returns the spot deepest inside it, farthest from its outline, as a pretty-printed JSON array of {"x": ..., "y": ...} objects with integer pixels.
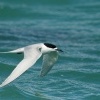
[{"x": 59, "y": 50}]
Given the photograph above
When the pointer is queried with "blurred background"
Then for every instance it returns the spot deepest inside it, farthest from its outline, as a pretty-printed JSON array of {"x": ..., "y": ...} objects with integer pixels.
[{"x": 72, "y": 25}]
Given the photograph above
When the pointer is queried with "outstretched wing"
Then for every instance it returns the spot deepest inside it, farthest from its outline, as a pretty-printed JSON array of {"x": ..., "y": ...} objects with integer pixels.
[
  {"x": 48, "y": 62},
  {"x": 31, "y": 55}
]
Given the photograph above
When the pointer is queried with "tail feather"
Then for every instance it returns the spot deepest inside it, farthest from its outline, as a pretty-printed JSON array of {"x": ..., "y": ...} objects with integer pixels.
[{"x": 20, "y": 50}]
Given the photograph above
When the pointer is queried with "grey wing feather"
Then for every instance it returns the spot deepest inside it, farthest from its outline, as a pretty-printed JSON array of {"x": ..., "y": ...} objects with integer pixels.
[{"x": 48, "y": 62}]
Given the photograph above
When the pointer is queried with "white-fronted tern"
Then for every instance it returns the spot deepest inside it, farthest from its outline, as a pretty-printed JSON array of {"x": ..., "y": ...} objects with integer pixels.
[{"x": 31, "y": 54}]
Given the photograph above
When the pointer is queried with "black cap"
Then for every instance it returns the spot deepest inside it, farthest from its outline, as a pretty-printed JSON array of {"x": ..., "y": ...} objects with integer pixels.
[{"x": 50, "y": 45}]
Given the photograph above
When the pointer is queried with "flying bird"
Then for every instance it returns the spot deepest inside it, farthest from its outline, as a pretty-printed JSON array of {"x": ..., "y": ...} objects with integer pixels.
[{"x": 31, "y": 54}]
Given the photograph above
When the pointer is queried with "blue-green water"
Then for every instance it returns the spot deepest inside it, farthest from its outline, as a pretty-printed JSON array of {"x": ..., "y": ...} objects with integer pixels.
[{"x": 74, "y": 26}]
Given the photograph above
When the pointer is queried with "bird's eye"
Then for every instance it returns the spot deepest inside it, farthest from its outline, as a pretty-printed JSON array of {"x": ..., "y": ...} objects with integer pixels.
[{"x": 40, "y": 49}]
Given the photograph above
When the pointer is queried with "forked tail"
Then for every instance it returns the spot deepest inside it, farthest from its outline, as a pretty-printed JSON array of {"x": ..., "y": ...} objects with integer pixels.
[{"x": 20, "y": 50}]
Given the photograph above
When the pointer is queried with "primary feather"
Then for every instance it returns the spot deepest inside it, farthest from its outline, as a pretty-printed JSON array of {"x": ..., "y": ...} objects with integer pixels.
[{"x": 31, "y": 55}]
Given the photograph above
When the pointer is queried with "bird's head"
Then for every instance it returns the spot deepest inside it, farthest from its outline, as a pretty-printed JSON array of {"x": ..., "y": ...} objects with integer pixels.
[{"x": 47, "y": 47}]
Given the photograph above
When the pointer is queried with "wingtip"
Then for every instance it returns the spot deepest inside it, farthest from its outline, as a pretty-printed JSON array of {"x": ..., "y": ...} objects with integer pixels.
[
  {"x": 42, "y": 75},
  {"x": 1, "y": 86}
]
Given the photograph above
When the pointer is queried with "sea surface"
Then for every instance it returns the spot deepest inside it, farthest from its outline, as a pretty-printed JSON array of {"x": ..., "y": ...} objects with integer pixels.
[{"x": 72, "y": 25}]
